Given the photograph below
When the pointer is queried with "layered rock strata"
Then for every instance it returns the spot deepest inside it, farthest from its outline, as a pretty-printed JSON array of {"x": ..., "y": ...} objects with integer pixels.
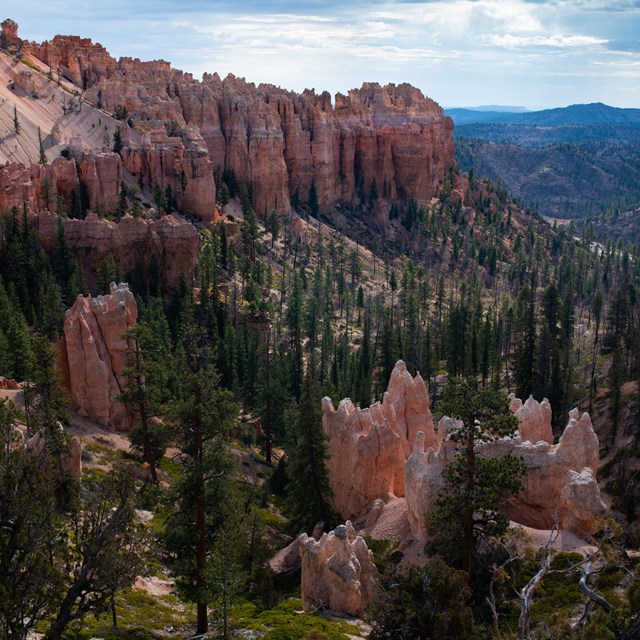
[
  {"x": 163, "y": 249},
  {"x": 40, "y": 187},
  {"x": 338, "y": 572},
  {"x": 391, "y": 139},
  {"x": 368, "y": 447},
  {"x": 93, "y": 353}
]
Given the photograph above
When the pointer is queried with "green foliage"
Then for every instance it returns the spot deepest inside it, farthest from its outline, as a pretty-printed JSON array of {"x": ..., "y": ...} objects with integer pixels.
[
  {"x": 309, "y": 493},
  {"x": 29, "y": 538},
  {"x": 476, "y": 487},
  {"x": 203, "y": 415},
  {"x": 285, "y": 622},
  {"x": 421, "y": 603},
  {"x": 42, "y": 156}
]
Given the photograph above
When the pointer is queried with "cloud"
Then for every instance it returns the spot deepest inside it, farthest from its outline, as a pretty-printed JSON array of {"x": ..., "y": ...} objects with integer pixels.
[
  {"x": 452, "y": 49},
  {"x": 511, "y": 41}
]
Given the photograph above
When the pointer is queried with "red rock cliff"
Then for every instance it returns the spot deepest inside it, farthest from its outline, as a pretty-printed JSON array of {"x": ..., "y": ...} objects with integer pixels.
[{"x": 276, "y": 141}]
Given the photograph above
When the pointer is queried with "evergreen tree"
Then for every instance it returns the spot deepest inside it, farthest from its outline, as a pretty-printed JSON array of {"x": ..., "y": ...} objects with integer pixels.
[
  {"x": 142, "y": 395},
  {"x": 43, "y": 155},
  {"x": 16, "y": 122},
  {"x": 309, "y": 493},
  {"x": 104, "y": 553},
  {"x": 314, "y": 207},
  {"x": 117, "y": 140},
  {"x": 475, "y": 486},
  {"x": 525, "y": 348},
  {"x": 31, "y": 570},
  {"x": 203, "y": 415}
]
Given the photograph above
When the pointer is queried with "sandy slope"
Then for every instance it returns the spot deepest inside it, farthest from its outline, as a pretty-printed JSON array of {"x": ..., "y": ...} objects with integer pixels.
[{"x": 18, "y": 85}]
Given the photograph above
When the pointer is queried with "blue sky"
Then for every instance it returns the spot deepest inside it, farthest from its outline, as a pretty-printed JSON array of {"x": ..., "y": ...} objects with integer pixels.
[{"x": 535, "y": 53}]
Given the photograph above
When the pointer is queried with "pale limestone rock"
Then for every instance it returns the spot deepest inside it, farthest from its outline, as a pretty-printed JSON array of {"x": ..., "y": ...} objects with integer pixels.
[
  {"x": 71, "y": 461},
  {"x": 337, "y": 572},
  {"x": 93, "y": 354},
  {"x": 534, "y": 420},
  {"x": 559, "y": 479},
  {"x": 368, "y": 447},
  {"x": 581, "y": 500}
]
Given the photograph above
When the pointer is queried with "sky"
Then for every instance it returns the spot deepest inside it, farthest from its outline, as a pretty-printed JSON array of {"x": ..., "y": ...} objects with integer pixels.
[{"x": 531, "y": 53}]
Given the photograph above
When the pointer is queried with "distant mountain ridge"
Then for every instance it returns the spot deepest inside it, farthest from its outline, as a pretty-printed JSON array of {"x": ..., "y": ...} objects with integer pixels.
[
  {"x": 568, "y": 162},
  {"x": 575, "y": 114}
]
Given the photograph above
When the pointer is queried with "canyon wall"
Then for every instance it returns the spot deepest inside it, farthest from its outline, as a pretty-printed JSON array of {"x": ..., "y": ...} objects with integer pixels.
[
  {"x": 389, "y": 139},
  {"x": 163, "y": 249}
]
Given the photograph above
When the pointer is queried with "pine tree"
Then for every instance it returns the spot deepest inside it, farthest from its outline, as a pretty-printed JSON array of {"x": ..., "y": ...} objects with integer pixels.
[
  {"x": 203, "y": 415},
  {"x": 16, "y": 122},
  {"x": 475, "y": 486},
  {"x": 31, "y": 546},
  {"x": 314, "y": 207},
  {"x": 117, "y": 140},
  {"x": 309, "y": 493},
  {"x": 43, "y": 155},
  {"x": 141, "y": 394}
]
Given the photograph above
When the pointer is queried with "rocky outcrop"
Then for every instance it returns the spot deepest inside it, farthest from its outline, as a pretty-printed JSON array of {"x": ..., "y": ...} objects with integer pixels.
[
  {"x": 93, "y": 353},
  {"x": 389, "y": 139},
  {"x": 581, "y": 501},
  {"x": 161, "y": 250},
  {"x": 559, "y": 480},
  {"x": 78, "y": 59},
  {"x": 534, "y": 419},
  {"x": 9, "y": 35},
  {"x": 180, "y": 163},
  {"x": 368, "y": 447},
  {"x": 366, "y": 458},
  {"x": 71, "y": 459},
  {"x": 337, "y": 572},
  {"x": 38, "y": 186}
]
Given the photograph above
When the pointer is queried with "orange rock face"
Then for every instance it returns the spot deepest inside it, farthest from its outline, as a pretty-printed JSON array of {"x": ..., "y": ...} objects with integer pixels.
[
  {"x": 93, "y": 354},
  {"x": 277, "y": 142},
  {"x": 534, "y": 419},
  {"x": 38, "y": 186},
  {"x": 165, "y": 249},
  {"x": 368, "y": 447},
  {"x": 10, "y": 38},
  {"x": 78, "y": 59},
  {"x": 337, "y": 572},
  {"x": 181, "y": 163}
]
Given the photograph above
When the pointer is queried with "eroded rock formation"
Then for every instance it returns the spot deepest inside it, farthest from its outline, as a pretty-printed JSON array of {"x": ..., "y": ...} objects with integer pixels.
[
  {"x": 163, "y": 249},
  {"x": 369, "y": 451},
  {"x": 534, "y": 419},
  {"x": 9, "y": 34},
  {"x": 41, "y": 187},
  {"x": 391, "y": 138},
  {"x": 93, "y": 354},
  {"x": 71, "y": 461},
  {"x": 368, "y": 447},
  {"x": 337, "y": 571},
  {"x": 559, "y": 480}
]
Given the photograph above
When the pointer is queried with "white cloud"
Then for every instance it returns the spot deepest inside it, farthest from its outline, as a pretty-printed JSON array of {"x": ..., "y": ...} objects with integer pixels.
[{"x": 512, "y": 41}]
